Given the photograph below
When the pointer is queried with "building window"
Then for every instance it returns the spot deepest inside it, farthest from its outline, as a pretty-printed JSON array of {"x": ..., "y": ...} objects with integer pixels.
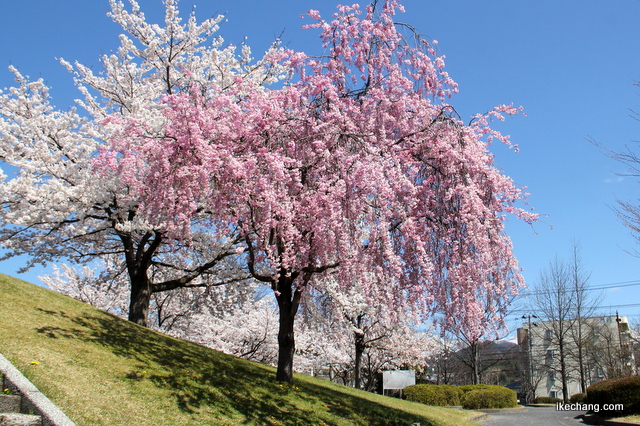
[
  {"x": 548, "y": 359},
  {"x": 547, "y": 335},
  {"x": 552, "y": 376},
  {"x": 553, "y": 394}
]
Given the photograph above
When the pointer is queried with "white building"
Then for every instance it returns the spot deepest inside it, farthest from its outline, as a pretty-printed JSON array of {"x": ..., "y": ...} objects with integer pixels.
[{"x": 603, "y": 343}]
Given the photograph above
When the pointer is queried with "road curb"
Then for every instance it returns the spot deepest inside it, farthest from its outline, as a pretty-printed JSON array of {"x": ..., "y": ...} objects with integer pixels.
[
  {"x": 504, "y": 410},
  {"x": 594, "y": 419},
  {"x": 485, "y": 414},
  {"x": 478, "y": 417}
]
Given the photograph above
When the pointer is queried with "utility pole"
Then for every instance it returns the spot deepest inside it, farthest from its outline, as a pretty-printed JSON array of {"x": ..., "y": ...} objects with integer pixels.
[
  {"x": 532, "y": 392},
  {"x": 625, "y": 353}
]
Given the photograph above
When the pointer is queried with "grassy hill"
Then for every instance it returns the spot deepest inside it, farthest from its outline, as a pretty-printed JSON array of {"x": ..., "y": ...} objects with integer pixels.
[{"x": 101, "y": 370}]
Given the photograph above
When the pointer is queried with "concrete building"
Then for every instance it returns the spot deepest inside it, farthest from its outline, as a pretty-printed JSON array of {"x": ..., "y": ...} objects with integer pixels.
[{"x": 604, "y": 344}]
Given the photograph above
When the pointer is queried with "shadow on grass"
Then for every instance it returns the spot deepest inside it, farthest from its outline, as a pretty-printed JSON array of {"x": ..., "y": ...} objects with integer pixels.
[{"x": 202, "y": 380}]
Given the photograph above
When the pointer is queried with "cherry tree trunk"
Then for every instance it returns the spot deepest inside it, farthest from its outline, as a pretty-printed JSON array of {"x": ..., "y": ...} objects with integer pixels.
[
  {"x": 360, "y": 347},
  {"x": 140, "y": 300},
  {"x": 475, "y": 363},
  {"x": 288, "y": 301}
]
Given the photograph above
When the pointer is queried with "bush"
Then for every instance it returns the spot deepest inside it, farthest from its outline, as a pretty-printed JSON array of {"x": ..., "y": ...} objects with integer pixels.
[
  {"x": 489, "y": 396},
  {"x": 468, "y": 388},
  {"x": 441, "y": 395},
  {"x": 546, "y": 400},
  {"x": 616, "y": 391},
  {"x": 578, "y": 398}
]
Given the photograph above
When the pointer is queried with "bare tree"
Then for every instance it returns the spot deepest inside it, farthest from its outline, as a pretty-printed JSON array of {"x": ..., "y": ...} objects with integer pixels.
[
  {"x": 555, "y": 301},
  {"x": 585, "y": 305},
  {"x": 628, "y": 212},
  {"x": 566, "y": 306},
  {"x": 533, "y": 375},
  {"x": 610, "y": 356},
  {"x": 476, "y": 355},
  {"x": 444, "y": 366},
  {"x": 477, "y": 358}
]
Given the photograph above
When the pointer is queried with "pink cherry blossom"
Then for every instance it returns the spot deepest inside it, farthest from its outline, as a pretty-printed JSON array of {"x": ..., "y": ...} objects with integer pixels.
[{"x": 357, "y": 167}]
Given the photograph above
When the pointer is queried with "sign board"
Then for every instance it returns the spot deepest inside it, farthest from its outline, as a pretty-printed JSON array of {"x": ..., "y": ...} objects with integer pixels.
[{"x": 398, "y": 379}]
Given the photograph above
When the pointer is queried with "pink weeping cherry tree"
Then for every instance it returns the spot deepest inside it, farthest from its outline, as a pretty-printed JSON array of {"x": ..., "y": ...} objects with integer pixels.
[{"x": 358, "y": 166}]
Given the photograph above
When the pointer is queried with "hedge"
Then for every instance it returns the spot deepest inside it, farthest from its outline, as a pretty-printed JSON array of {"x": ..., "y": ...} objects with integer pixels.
[
  {"x": 469, "y": 396},
  {"x": 441, "y": 395},
  {"x": 578, "y": 398},
  {"x": 469, "y": 388},
  {"x": 616, "y": 391},
  {"x": 489, "y": 396}
]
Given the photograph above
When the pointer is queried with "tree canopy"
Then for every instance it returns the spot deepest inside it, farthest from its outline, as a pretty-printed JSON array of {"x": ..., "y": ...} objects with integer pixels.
[
  {"x": 357, "y": 165},
  {"x": 56, "y": 207}
]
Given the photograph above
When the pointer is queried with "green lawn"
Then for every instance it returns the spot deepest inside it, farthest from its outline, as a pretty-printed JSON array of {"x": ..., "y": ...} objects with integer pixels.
[{"x": 101, "y": 370}]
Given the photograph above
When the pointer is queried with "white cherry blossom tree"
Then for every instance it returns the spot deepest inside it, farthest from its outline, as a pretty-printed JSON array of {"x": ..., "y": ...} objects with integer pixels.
[{"x": 55, "y": 206}]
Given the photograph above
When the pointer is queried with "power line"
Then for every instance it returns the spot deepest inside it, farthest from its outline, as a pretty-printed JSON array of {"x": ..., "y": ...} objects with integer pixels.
[
  {"x": 518, "y": 312},
  {"x": 601, "y": 287},
  {"x": 600, "y": 308}
]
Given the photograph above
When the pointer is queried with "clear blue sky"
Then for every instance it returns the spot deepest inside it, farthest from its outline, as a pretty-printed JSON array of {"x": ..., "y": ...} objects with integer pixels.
[{"x": 571, "y": 64}]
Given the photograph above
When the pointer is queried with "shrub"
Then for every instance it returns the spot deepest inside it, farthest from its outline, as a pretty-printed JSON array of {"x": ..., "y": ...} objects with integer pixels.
[
  {"x": 489, "y": 396},
  {"x": 441, "y": 395},
  {"x": 578, "y": 398},
  {"x": 469, "y": 388},
  {"x": 546, "y": 400},
  {"x": 616, "y": 391}
]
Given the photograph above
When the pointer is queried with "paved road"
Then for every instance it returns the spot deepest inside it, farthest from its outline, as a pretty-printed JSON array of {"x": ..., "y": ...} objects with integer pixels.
[{"x": 534, "y": 416}]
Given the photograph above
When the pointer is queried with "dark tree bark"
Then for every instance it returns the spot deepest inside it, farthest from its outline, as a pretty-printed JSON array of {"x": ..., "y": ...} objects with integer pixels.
[
  {"x": 360, "y": 346},
  {"x": 139, "y": 301},
  {"x": 563, "y": 372},
  {"x": 288, "y": 299},
  {"x": 139, "y": 253},
  {"x": 138, "y": 256},
  {"x": 475, "y": 363},
  {"x": 288, "y": 294}
]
